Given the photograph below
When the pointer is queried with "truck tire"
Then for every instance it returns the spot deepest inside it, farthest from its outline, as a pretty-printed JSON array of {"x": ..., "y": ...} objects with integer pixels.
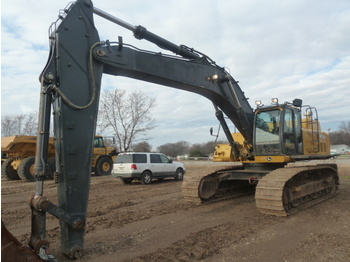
[
  {"x": 26, "y": 169},
  {"x": 7, "y": 171},
  {"x": 104, "y": 166},
  {"x": 146, "y": 178},
  {"x": 52, "y": 168}
]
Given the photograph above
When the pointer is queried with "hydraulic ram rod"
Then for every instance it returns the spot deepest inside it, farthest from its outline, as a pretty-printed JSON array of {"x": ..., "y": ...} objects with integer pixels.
[
  {"x": 114, "y": 19},
  {"x": 141, "y": 32}
]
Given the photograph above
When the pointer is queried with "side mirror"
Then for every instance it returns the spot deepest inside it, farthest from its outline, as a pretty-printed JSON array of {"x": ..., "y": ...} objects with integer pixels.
[{"x": 211, "y": 131}]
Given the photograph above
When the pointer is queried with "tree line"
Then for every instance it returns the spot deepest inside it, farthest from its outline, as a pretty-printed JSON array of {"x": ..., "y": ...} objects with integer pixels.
[
  {"x": 21, "y": 124},
  {"x": 342, "y": 135},
  {"x": 191, "y": 150},
  {"x": 181, "y": 148}
]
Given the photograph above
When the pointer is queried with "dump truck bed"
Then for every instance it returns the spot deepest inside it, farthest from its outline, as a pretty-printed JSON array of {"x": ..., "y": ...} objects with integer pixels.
[{"x": 22, "y": 146}]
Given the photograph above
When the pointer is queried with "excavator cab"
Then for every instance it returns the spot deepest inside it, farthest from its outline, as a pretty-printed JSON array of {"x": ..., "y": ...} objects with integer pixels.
[
  {"x": 286, "y": 133},
  {"x": 278, "y": 131}
]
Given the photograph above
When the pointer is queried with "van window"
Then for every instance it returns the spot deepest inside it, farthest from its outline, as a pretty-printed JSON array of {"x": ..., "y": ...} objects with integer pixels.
[
  {"x": 164, "y": 159},
  {"x": 140, "y": 158},
  {"x": 132, "y": 158},
  {"x": 124, "y": 159},
  {"x": 155, "y": 158}
]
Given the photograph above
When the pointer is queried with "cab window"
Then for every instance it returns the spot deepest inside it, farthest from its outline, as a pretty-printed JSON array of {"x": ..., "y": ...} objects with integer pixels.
[
  {"x": 267, "y": 127},
  {"x": 99, "y": 142},
  {"x": 288, "y": 132},
  {"x": 292, "y": 134}
]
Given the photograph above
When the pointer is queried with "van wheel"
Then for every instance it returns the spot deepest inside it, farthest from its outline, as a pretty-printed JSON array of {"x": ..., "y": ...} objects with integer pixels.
[
  {"x": 146, "y": 178},
  {"x": 7, "y": 171},
  {"x": 104, "y": 166},
  {"x": 26, "y": 169},
  {"x": 179, "y": 174}
]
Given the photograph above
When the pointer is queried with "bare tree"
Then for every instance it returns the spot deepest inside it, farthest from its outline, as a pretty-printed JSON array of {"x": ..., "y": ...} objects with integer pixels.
[
  {"x": 7, "y": 126},
  {"x": 196, "y": 150},
  {"x": 142, "y": 147},
  {"x": 345, "y": 127},
  {"x": 128, "y": 115},
  {"x": 22, "y": 124},
  {"x": 174, "y": 149},
  {"x": 209, "y": 147},
  {"x": 204, "y": 149},
  {"x": 31, "y": 124},
  {"x": 184, "y": 147},
  {"x": 342, "y": 136}
]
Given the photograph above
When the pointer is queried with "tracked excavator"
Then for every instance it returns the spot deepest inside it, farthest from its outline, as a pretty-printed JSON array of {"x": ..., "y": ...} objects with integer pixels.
[{"x": 269, "y": 138}]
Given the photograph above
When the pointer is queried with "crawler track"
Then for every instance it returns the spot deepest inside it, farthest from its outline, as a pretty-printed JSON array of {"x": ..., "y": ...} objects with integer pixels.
[
  {"x": 191, "y": 183},
  {"x": 213, "y": 190},
  {"x": 286, "y": 190},
  {"x": 280, "y": 192}
]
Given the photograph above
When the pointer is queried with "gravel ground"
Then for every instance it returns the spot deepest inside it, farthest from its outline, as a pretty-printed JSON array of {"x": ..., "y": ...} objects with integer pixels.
[{"x": 153, "y": 223}]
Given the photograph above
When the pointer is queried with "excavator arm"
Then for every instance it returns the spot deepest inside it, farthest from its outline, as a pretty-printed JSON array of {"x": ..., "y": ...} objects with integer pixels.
[{"x": 70, "y": 82}]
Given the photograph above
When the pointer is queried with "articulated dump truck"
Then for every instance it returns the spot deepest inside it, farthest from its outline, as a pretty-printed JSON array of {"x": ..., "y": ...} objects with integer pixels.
[{"x": 18, "y": 157}]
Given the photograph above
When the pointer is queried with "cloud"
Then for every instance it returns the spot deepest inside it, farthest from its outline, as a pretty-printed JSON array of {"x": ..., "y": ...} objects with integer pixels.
[{"x": 283, "y": 49}]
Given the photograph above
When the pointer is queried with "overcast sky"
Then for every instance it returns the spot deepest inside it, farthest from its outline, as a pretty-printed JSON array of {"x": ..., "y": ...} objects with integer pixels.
[{"x": 284, "y": 48}]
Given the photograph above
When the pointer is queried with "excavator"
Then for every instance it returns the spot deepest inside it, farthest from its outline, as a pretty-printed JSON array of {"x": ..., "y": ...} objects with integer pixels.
[{"x": 270, "y": 138}]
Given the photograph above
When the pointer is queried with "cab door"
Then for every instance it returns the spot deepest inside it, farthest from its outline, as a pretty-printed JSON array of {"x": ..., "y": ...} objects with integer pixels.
[{"x": 292, "y": 134}]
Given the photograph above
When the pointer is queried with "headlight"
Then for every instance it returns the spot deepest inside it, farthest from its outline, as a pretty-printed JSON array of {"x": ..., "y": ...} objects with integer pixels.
[{"x": 274, "y": 100}]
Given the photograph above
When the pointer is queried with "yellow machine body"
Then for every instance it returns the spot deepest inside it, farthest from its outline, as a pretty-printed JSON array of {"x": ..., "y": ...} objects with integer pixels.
[
  {"x": 17, "y": 149},
  {"x": 315, "y": 143}
]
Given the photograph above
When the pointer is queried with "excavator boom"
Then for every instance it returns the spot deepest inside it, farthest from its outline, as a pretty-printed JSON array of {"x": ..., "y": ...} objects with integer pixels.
[
  {"x": 197, "y": 76},
  {"x": 191, "y": 71}
]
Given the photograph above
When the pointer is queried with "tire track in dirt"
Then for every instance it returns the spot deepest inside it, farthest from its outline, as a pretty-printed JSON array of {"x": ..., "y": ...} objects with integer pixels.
[{"x": 153, "y": 223}]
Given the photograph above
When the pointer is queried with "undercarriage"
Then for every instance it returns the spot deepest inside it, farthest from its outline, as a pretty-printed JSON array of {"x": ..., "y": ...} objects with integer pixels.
[{"x": 278, "y": 190}]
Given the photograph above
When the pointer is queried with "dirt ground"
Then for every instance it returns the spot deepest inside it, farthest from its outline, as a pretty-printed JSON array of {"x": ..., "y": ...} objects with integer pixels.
[{"x": 153, "y": 223}]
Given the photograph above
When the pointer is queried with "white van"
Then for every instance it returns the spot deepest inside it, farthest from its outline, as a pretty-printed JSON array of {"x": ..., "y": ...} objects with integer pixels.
[{"x": 145, "y": 167}]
